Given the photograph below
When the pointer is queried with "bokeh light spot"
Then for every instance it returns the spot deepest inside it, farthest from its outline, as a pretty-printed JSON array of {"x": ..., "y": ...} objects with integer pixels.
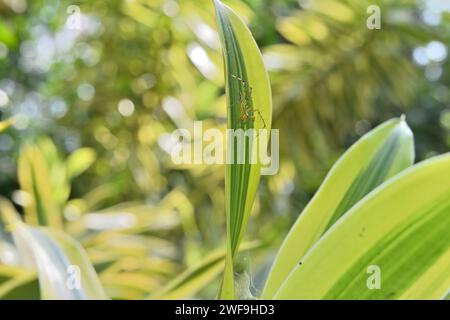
[
  {"x": 126, "y": 107},
  {"x": 86, "y": 91}
]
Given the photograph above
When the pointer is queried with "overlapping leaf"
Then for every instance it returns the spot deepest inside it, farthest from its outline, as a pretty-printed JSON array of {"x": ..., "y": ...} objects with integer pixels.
[
  {"x": 63, "y": 268},
  {"x": 376, "y": 157},
  {"x": 34, "y": 178},
  {"x": 402, "y": 228}
]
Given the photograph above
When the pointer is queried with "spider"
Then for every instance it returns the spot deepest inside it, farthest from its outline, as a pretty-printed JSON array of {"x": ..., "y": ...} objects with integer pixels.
[{"x": 246, "y": 111}]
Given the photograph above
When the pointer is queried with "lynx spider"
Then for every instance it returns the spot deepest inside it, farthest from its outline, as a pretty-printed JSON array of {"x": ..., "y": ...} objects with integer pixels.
[{"x": 246, "y": 112}]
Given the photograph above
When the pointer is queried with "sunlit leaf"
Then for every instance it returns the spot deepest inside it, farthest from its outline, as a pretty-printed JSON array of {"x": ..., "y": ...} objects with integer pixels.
[
  {"x": 376, "y": 157},
  {"x": 56, "y": 168},
  {"x": 34, "y": 178},
  {"x": 23, "y": 287},
  {"x": 79, "y": 161},
  {"x": 63, "y": 268},
  {"x": 402, "y": 228}
]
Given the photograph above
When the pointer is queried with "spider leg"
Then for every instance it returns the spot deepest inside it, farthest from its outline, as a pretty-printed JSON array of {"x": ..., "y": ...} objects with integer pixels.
[
  {"x": 243, "y": 82},
  {"x": 241, "y": 102},
  {"x": 241, "y": 99},
  {"x": 260, "y": 115},
  {"x": 238, "y": 79}
]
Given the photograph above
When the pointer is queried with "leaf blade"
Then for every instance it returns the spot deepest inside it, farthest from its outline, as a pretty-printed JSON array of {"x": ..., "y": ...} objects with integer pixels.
[
  {"x": 34, "y": 179},
  {"x": 54, "y": 253},
  {"x": 377, "y": 156},
  {"x": 249, "y": 106},
  {"x": 79, "y": 161},
  {"x": 405, "y": 238}
]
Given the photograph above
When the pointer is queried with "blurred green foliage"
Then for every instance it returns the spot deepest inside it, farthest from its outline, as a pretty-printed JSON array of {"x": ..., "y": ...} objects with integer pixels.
[{"x": 94, "y": 108}]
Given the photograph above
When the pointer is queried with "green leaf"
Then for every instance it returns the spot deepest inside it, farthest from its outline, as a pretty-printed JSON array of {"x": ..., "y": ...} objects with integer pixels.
[
  {"x": 58, "y": 177},
  {"x": 18, "y": 283},
  {"x": 402, "y": 228},
  {"x": 376, "y": 157},
  {"x": 63, "y": 268},
  {"x": 247, "y": 88},
  {"x": 9, "y": 256},
  {"x": 34, "y": 178},
  {"x": 23, "y": 287},
  {"x": 9, "y": 272},
  {"x": 79, "y": 161}
]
